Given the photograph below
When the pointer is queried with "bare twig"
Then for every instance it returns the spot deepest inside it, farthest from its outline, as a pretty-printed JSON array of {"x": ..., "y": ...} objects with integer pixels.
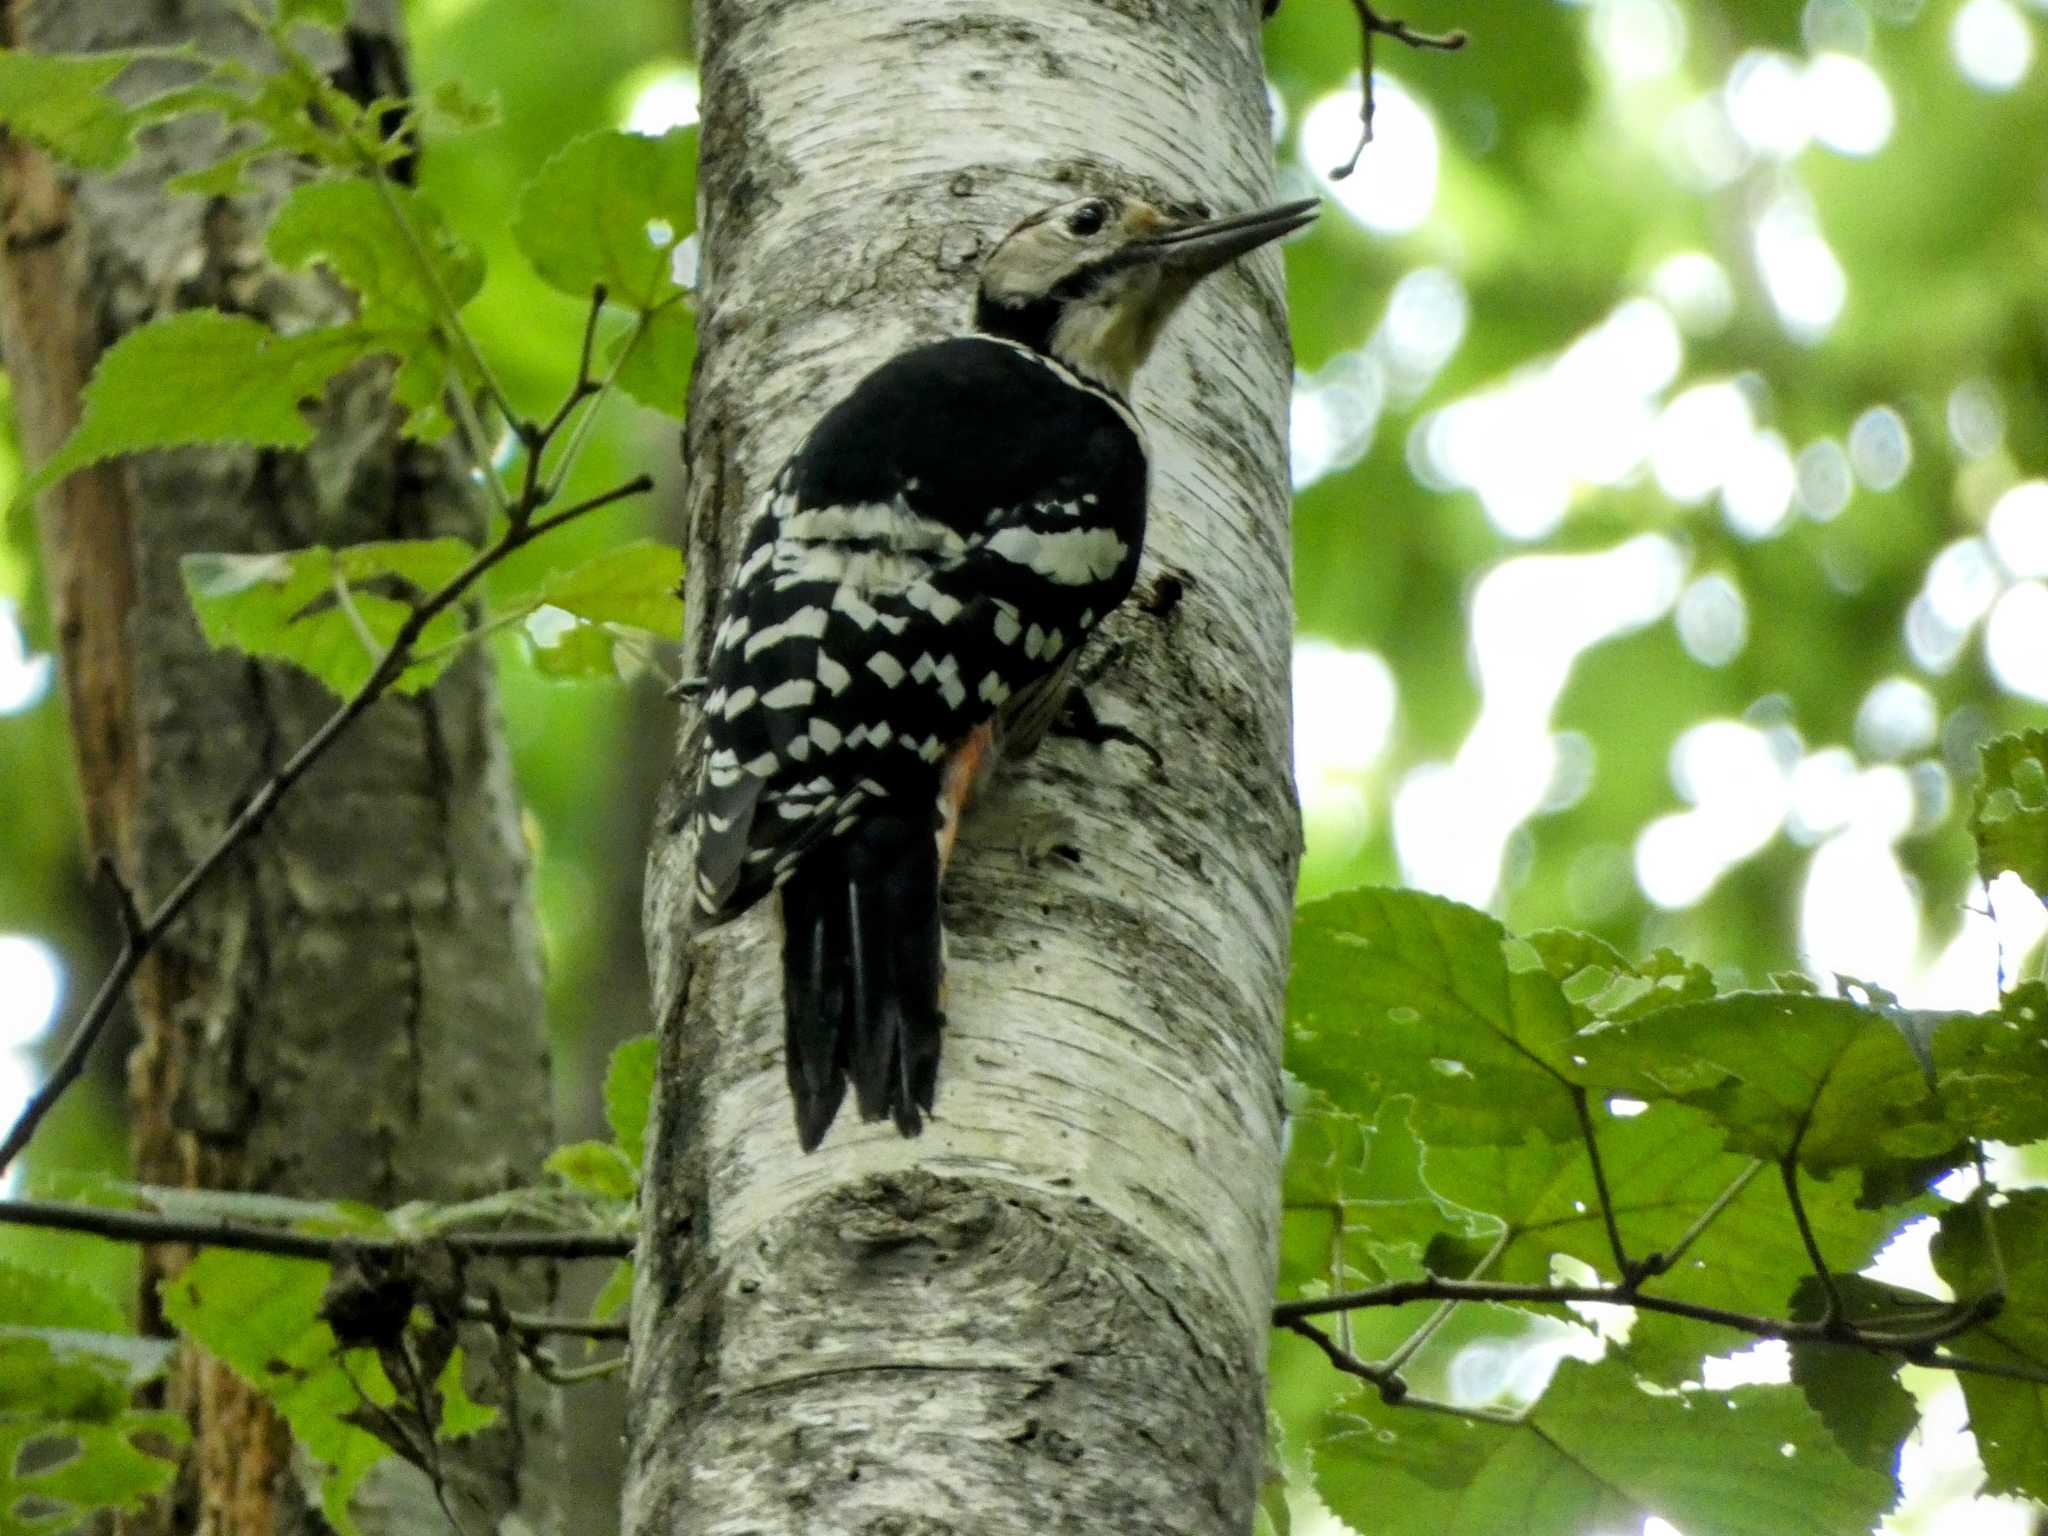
[
  {"x": 1788, "y": 1171},
  {"x": 1663, "y": 1261},
  {"x": 483, "y": 1310},
  {"x": 147, "y": 1227},
  {"x": 1622, "y": 1267},
  {"x": 1370, "y": 25},
  {"x": 1915, "y": 1347},
  {"x": 140, "y": 940}
]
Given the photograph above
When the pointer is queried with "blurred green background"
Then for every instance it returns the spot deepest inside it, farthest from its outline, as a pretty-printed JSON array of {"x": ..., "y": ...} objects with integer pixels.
[{"x": 1672, "y": 496}]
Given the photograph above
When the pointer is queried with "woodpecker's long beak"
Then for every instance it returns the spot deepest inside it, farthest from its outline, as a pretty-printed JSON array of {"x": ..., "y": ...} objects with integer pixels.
[{"x": 1197, "y": 249}]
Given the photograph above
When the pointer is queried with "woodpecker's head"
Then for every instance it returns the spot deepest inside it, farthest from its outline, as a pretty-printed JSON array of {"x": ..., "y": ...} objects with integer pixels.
[{"x": 1092, "y": 282}]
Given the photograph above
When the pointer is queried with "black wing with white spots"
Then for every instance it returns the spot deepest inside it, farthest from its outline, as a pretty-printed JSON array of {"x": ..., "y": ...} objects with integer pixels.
[{"x": 943, "y": 540}]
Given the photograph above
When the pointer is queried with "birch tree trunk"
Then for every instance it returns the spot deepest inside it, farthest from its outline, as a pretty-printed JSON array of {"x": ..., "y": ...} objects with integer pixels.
[
  {"x": 354, "y": 1006},
  {"x": 1048, "y": 1314}
]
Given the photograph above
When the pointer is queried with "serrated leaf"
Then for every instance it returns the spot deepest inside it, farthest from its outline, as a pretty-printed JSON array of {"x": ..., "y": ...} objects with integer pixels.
[
  {"x": 97, "y": 1467},
  {"x": 204, "y": 377},
  {"x": 346, "y": 224},
  {"x": 1666, "y": 1168},
  {"x": 260, "y": 1316},
  {"x": 2009, "y": 817},
  {"x": 60, "y": 102},
  {"x": 2009, "y": 1418},
  {"x": 610, "y": 208},
  {"x": 1782, "y": 1074},
  {"x": 636, "y": 584},
  {"x": 595, "y": 1166},
  {"x": 1856, "y": 1393},
  {"x": 1603, "y": 986},
  {"x": 66, "y": 1391},
  {"x": 36, "y": 1298},
  {"x": 1397, "y": 992},
  {"x": 287, "y": 605},
  {"x": 657, "y": 373},
  {"x": 629, "y": 1095},
  {"x": 1599, "y": 1453}
]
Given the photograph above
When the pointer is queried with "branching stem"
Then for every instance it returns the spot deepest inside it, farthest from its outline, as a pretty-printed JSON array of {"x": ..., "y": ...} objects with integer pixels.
[{"x": 1372, "y": 24}]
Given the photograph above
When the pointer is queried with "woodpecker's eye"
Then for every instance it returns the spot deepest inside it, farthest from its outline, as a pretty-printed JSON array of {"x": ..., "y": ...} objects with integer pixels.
[{"x": 1088, "y": 219}]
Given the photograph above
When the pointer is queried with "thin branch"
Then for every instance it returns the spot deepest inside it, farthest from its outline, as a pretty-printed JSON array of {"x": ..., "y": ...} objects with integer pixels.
[
  {"x": 537, "y": 435},
  {"x": 1665, "y": 1260},
  {"x": 553, "y": 1371},
  {"x": 1916, "y": 1347},
  {"x": 1788, "y": 1171},
  {"x": 1370, "y": 25},
  {"x": 1622, "y": 1267},
  {"x": 141, "y": 940},
  {"x": 148, "y": 1227},
  {"x": 1421, "y": 1336},
  {"x": 1392, "y": 1389},
  {"x": 480, "y": 1309}
]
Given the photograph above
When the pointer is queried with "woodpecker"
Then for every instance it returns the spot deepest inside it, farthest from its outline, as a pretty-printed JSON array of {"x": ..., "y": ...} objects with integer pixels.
[{"x": 915, "y": 586}]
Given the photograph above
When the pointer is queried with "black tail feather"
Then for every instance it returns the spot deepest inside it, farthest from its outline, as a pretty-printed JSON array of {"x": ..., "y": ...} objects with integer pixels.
[{"x": 861, "y": 970}]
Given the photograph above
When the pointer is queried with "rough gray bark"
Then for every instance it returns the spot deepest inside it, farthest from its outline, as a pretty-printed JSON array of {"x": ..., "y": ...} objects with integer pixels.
[
  {"x": 1049, "y": 1313},
  {"x": 354, "y": 1007}
]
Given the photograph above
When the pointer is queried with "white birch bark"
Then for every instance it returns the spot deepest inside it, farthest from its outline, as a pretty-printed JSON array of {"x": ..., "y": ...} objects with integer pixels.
[{"x": 1049, "y": 1313}]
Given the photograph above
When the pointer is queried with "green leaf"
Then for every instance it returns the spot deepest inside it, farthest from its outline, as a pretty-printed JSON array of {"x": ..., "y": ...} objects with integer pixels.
[
  {"x": 1666, "y": 1168},
  {"x": 36, "y": 1298},
  {"x": 347, "y": 225},
  {"x": 260, "y": 1316},
  {"x": 60, "y": 102},
  {"x": 204, "y": 377},
  {"x": 2010, "y": 816},
  {"x": 288, "y": 606},
  {"x": 629, "y": 1095},
  {"x": 461, "y": 1414},
  {"x": 1597, "y": 1452},
  {"x": 610, "y": 208},
  {"x": 68, "y": 1370},
  {"x": 1396, "y": 992},
  {"x": 616, "y": 1291},
  {"x": 332, "y": 14},
  {"x": 595, "y": 1166},
  {"x": 578, "y": 652},
  {"x": 1275, "y": 1515},
  {"x": 452, "y": 107},
  {"x": 638, "y": 584},
  {"x": 1603, "y": 987},
  {"x": 657, "y": 374},
  {"x": 1783, "y": 1073},
  {"x": 2009, "y": 1418},
  {"x": 427, "y": 564},
  {"x": 1856, "y": 1393}
]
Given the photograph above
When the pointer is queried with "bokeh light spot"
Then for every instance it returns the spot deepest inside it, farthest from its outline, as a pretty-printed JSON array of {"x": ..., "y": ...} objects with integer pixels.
[
  {"x": 1850, "y": 105},
  {"x": 2019, "y": 528},
  {"x": 1880, "y": 451},
  {"x": 2016, "y": 640},
  {"x": 1992, "y": 44},
  {"x": 1394, "y": 186}
]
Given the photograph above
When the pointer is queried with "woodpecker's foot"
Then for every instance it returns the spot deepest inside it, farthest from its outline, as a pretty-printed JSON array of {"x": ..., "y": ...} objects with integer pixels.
[
  {"x": 1052, "y": 835},
  {"x": 1079, "y": 721}
]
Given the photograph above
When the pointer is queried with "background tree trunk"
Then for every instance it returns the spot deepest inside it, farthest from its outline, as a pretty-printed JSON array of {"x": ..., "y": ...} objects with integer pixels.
[
  {"x": 354, "y": 1007},
  {"x": 1049, "y": 1314}
]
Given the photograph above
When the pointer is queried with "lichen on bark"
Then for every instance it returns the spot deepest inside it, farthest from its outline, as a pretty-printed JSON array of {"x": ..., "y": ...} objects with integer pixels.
[{"x": 1049, "y": 1313}]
